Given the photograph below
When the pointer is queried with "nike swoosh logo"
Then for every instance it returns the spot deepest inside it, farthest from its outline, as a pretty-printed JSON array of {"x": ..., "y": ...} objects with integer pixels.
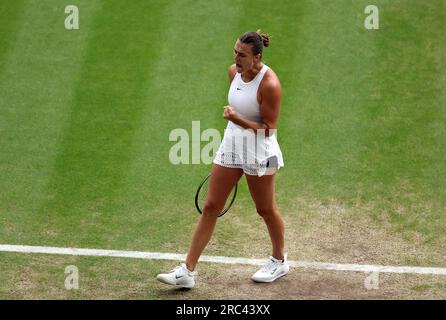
[
  {"x": 239, "y": 89},
  {"x": 178, "y": 277},
  {"x": 273, "y": 271}
]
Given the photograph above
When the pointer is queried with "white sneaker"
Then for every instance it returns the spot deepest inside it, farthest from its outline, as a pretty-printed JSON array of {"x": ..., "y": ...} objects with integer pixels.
[
  {"x": 180, "y": 277},
  {"x": 272, "y": 270}
]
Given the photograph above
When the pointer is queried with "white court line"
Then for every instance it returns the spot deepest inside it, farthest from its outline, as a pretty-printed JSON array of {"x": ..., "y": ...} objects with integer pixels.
[{"x": 218, "y": 259}]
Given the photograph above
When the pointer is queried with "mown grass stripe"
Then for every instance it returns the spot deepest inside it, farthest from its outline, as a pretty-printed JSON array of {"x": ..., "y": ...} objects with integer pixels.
[{"x": 40, "y": 69}]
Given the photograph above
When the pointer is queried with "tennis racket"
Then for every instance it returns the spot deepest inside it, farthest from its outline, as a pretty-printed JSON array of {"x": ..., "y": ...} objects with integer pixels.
[{"x": 200, "y": 196}]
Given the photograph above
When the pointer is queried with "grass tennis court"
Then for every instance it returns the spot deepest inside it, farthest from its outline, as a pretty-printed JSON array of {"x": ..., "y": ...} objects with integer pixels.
[{"x": 85, "y": 117}]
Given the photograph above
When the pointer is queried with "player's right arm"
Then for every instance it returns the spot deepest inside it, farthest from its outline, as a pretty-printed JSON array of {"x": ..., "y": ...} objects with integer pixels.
[{"x": 232, "y": 72}]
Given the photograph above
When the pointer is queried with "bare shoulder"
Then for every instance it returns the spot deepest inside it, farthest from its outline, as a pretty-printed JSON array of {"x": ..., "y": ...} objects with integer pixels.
[
  {"x": 270, "y": 83},
  {"x": 232, "y": 72}
]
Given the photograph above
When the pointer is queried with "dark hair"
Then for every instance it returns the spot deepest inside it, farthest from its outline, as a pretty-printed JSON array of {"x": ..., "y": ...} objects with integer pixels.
[{"x": 257, "y": 40}]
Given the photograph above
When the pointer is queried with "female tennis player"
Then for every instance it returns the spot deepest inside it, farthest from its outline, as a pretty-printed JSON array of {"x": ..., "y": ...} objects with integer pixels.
[{"x": 254, "y": 105}]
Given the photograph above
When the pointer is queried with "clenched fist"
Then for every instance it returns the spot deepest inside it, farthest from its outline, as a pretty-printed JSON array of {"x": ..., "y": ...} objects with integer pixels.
[{"x": 229, "y": 113}]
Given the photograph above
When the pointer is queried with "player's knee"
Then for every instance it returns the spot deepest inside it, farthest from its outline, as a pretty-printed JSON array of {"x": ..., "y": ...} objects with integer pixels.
[
  {"x": 266, "y": 212},
  {"x": 212, "y": 208}
]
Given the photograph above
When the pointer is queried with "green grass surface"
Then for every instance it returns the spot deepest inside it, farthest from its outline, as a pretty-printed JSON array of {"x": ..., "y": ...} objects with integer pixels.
[{"x": 85, "y": 116}]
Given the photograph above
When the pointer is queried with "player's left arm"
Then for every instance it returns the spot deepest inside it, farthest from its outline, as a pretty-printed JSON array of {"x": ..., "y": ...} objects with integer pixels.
[{"x": 271, "y": 95}]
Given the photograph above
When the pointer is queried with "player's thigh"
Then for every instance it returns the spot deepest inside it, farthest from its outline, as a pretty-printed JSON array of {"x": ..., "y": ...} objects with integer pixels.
[
  {"x": 221, "y": 182},
  {"x": 262, "y": 191}
]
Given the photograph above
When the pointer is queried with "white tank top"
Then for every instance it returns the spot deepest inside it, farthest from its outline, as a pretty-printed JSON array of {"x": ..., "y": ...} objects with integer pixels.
[{"x": 242, "y": 95}]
